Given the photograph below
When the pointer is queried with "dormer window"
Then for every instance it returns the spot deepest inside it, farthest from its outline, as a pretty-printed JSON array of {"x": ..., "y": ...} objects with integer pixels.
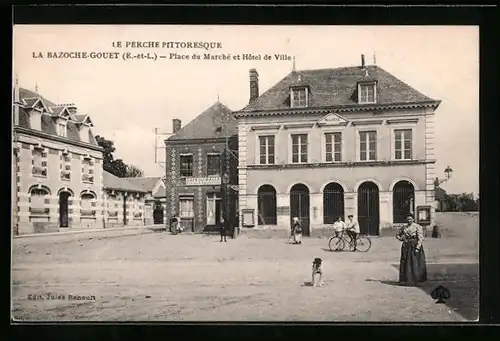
[
  {"x": 62, "y": 128},
  {"x": 367, "y": 93},
  {"x": 299, "y": 97}
]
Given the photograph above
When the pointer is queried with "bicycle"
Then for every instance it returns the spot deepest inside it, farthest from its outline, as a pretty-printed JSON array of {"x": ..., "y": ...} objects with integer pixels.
[{"x": 338, "y": 243}]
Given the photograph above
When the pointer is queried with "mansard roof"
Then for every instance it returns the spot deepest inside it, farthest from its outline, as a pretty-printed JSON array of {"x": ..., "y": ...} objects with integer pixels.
[
  {"x": 337, "y": 88},
  {"x": 29, "y": 99}
]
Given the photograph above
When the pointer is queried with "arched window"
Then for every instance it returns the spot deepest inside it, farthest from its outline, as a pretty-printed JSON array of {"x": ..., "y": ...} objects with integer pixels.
[
  {"x": 333, "y": 202},
  {"x": 39, "y": 201},
  {"x": 266, "y": 201},
  {"x": 87, "y": 204},
  {"x": 403, "y": 201}
]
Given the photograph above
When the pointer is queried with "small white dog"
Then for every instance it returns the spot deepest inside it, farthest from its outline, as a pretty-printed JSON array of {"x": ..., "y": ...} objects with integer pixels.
[{"x": 317, "y": 269}]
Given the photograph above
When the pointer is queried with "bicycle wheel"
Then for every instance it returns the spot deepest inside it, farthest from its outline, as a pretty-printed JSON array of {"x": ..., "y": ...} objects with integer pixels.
[
  {"x": 336, "y": 244},
  {"x": 363, "y": 244}
]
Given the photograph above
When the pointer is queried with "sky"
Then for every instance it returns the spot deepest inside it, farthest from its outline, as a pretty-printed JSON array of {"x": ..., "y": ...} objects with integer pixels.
[{"x": 128, "y": 99}]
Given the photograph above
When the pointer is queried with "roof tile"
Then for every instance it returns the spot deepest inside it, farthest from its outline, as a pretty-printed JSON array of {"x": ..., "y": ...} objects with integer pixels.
[
  {"x": 206, "y": 125},
  {"x": 145, "y": 183},
  {"x": 337, "y": 87},
  {"x": 48, "y": 122},
  {"x": 111, "y": 181}
]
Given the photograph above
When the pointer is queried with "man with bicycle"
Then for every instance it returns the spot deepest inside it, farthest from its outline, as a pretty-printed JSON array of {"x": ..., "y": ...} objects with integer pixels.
[{"x": 352, "y": 230}]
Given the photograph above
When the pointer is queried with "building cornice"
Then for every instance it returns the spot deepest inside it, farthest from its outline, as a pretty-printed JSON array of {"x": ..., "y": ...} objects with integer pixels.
[
  {"x": 51, "y": 137},
  {"x": 198, "y": 141},
  {"x": 337, "y": 109},
  {"x": 119, "y": 189},
  {"x": 341, "y": 164}
]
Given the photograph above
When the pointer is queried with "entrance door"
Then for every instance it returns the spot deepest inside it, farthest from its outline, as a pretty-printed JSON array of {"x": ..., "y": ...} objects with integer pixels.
[
  {"x": 368, "y": 209},
  {"x": 299, "y": 206},
  {"x": 403, "y": 201},
  {"x": 63, "y": 209},
  {"x": 158, "y": 213}
]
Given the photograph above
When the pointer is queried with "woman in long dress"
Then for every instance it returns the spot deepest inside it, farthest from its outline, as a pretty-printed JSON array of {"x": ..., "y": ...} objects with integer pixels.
[{"x": 412, "y": 266}]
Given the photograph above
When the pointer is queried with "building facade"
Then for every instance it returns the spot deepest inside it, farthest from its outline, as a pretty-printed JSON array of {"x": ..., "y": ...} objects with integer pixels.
[
  {"x": 196, "y": 161},
  {"x": 154, "y": 202},
  {"x": 124, "y": 202},
  {"x": 57, "y": 166},
  {"x": 326, "y": 143}
]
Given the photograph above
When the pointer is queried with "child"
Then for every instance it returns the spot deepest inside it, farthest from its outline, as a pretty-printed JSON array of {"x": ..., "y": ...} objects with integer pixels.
[{"x": 317, "y": 269}]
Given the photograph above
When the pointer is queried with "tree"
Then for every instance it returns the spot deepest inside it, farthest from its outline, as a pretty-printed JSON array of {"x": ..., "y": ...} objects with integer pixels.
[
  {"x": 461, "y": 202},
  {"x": 119, "y": 168},
  {"x": 134, "y": 172},
  {"x": 116, "y": 167}
]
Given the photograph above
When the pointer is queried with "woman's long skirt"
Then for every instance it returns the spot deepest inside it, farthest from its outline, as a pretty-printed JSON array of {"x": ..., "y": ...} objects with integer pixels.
[
  {"x": 412, "y": 266},
  {"x": 297, "y": 237}
]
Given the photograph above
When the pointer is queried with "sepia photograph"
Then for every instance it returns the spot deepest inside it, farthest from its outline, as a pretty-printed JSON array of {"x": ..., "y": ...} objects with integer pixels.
[{"x": 238, "y": 173}]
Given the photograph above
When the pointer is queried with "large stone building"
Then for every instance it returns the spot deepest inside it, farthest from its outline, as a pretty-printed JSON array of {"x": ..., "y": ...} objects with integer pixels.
[
  {"x": 58, "y": 177},
  {"x": 325, "y": 143},
  {"x": 196, "y": 159},
  {"x": 57, "y": 166}
]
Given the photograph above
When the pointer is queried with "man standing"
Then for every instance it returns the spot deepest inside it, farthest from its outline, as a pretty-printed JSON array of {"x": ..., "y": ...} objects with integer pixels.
[
  {"x": 353, "y": 230},
  {"x": 339, "y": 226},
  {"x": 223, "y": 229}
]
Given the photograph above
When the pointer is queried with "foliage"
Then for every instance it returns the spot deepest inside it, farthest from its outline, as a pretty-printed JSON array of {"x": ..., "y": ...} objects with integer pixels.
[
  {"x": 464, "y": 202},
  {"x": 134, "y": 172},
  {"x": 116, "y": 167}
]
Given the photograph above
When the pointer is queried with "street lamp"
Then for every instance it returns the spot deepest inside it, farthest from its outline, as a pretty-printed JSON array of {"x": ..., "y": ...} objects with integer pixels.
[{"x": 447, "y": 172}]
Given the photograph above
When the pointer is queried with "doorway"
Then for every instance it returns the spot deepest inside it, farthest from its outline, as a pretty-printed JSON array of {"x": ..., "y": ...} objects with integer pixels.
[
  {"x": 158, "y": 213},
  {"x": 403, "y": 201},
  {"x": 63, "y": 209},
  {"x": 368, "y": 209},
  {"x": 299, "y": 206}
]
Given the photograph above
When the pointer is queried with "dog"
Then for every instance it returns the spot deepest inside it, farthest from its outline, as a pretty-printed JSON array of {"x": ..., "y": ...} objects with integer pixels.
[{"x": 317, "y": 269}]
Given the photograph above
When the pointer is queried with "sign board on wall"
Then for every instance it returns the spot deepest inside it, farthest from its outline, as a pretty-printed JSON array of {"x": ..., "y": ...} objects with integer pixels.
[
  {"x": 248, "y": 220},
  {"x": 283, "y": 210},
  {"x": 208, "y": 181},
  {"x": 424, "y": 215}
]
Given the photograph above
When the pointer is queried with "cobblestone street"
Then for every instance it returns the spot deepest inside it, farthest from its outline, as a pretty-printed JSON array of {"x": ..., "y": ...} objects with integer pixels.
[{"x": 161, "y": 277}]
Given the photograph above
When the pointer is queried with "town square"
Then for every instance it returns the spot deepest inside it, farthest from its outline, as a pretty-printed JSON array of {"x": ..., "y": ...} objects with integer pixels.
[
  {"x": 255, "y": 189},
  {"x": 155, "y": 276}
]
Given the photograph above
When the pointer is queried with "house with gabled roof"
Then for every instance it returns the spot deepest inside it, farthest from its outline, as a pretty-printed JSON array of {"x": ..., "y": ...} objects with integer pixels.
[
  {"x": 57, "y": 166},
  {"x": 325, "y": 143},
  {"x": 154, "y": 201},
  {"x": 199, "y": 158},
  {"x": 124, "y": 202}
]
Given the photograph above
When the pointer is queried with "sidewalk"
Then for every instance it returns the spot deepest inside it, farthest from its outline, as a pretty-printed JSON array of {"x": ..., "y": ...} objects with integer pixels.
[{"x": 110, "y": 231}]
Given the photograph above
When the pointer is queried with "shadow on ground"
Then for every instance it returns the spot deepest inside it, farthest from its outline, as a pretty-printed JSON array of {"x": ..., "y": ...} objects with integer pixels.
[{"x": 462, "y": 280}]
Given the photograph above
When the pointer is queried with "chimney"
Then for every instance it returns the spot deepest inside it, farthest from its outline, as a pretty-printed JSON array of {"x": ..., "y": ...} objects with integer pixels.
[
  {"x": 362, "y": 60},
  {"x": 254, "y": 85},
  {"x": 72, "y": 108},
  {"x": 176, "y": 125}
]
